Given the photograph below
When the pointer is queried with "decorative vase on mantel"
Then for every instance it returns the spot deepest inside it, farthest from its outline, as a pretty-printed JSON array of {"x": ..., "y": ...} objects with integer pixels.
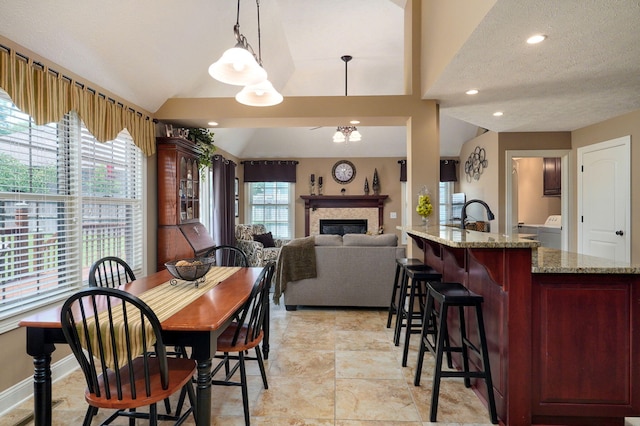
[
  {"x": 366, "y": 186},
  {"x": 376, "y": 182}
]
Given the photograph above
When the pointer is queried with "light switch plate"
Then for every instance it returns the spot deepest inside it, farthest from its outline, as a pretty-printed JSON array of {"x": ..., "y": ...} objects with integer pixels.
[{"x": 393, "y": 215}]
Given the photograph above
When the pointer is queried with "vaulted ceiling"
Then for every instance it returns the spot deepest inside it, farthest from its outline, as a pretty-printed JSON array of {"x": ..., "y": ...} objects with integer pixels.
[{"x": 148, "y": 51}]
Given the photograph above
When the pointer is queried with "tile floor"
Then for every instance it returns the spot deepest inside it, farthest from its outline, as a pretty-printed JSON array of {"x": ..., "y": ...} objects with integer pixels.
[{"x": 326, "y": 367}]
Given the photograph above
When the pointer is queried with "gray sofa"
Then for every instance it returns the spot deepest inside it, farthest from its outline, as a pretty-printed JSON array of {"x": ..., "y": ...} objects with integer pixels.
[{"x": 352, "y": 270}]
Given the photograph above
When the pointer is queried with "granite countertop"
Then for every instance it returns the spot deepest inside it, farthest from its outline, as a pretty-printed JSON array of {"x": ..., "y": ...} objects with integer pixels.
[
  {"x": 543, "y": 260},
  {"x": 464, "y": 238},
  {"x": 552, "y": 261}
]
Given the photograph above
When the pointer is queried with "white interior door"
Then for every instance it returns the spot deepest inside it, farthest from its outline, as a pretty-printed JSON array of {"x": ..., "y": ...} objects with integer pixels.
[{"x": 603, "y": 199}]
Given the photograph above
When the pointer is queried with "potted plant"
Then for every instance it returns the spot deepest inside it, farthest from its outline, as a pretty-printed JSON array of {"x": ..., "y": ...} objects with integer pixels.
[{"x": 203, "y": 138}]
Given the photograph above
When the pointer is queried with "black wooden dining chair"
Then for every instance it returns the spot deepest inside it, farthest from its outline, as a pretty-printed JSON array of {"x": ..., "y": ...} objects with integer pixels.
[
  {"x": 228, "y": 256},
  {"x": 112, "y": 334},
  {"x": 110, "y": 272},
  {"x": 245, "y": 333}
]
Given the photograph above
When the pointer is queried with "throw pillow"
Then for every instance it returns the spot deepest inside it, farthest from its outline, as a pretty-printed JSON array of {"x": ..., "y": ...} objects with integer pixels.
[{"x": 265, "y": 239}]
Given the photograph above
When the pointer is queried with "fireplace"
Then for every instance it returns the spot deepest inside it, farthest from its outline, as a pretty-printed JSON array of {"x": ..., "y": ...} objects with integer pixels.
[
  {"x": 343, "y": 226},
  {"x": 323, "y": 207}
]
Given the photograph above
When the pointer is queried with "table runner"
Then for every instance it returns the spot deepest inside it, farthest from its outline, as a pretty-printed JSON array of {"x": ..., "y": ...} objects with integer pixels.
[{"x": 164, "y": 300}]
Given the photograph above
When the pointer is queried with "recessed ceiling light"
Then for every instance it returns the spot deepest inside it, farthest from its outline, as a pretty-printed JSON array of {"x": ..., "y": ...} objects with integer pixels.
[
  {"x": 497, "y": 114},
  {"x": 536, "y": 39},
  {"x": 354, "y": 122},
  {"x": 212, "y": 123},
  {"x": 472, "y": 92}
]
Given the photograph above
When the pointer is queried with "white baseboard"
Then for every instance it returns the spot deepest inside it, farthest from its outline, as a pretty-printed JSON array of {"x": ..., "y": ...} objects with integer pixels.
[{"x": 23, "y": 390}]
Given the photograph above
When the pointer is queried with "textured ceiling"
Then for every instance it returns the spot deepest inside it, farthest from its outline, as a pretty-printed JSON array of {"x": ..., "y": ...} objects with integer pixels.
[{"x": 147, "y": 51}]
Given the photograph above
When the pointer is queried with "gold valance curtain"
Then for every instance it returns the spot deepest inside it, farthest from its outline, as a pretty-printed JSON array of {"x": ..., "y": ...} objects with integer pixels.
[{"x": 46, "y": 96}]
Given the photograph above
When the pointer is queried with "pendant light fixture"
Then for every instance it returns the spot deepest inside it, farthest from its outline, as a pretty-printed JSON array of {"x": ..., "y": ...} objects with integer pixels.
[
  {"x": 262, "y": 93},
  {"x": 238, "y": 65},
  {"x": 346, "y": 133}
]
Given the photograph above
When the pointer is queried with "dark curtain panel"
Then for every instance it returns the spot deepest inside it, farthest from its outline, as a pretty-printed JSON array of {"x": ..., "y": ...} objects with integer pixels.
[
  {"x": 448, "y": 171},
  {"x": 269, "y": 171},
  {"x": 224, "y": 173},
  {"x": 403, "y": 170}
]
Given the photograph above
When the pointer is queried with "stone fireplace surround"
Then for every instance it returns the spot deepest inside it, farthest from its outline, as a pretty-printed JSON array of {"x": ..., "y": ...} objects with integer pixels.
[{"x": 368, "y": 207}]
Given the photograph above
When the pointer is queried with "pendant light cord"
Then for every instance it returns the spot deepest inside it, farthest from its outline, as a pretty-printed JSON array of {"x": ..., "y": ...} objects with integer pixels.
[{"x": 259, "y": 42}]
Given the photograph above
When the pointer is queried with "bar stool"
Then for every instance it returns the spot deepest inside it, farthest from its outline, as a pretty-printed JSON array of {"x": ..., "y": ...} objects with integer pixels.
[
  {"x": 402, "y": 263},
  {"x": 414, "y": 290},
  {"x": 454, "y": 295}
]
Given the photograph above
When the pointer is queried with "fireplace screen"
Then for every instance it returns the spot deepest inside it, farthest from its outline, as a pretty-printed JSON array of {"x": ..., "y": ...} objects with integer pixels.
[{"x": 343, "y": 226}]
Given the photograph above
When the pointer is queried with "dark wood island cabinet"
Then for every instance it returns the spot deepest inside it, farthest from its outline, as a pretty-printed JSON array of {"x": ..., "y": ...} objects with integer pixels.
[{"x": 562, "y": 328}]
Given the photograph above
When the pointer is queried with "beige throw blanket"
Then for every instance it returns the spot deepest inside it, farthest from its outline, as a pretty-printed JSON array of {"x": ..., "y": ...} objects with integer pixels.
[{"x": 296, "y": 261}]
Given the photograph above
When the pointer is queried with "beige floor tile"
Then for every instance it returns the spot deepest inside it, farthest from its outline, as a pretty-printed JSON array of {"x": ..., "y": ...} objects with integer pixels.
[
  {"x": 366, "y": 365},
  {"x": 292, "y": 397},
  {"x": 354, "y": 340},
  {"x": 303, "y": 363},
  {"x": 369, "y": 399}
]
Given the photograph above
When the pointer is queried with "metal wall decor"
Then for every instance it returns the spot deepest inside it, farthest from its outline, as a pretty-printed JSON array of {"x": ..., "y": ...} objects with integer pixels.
[{"x": 475, "y": 164}]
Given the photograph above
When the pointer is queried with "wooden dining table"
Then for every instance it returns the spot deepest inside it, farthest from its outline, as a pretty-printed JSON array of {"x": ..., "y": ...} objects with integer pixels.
[{"x": 197, "y": 326}]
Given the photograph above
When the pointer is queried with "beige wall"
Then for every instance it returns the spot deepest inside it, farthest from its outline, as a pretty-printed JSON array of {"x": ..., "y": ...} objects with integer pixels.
[
  {"x": 628, "y": 124},
  {"x": 485, "y": 187}
]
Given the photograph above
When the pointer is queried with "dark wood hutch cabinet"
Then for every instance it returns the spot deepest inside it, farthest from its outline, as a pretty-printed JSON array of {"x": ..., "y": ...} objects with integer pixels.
[{"x": 180, "y": 233}]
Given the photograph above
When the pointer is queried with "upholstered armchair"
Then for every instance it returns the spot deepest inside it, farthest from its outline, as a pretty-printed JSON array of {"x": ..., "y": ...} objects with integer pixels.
[{"x": 257, "y": 248}]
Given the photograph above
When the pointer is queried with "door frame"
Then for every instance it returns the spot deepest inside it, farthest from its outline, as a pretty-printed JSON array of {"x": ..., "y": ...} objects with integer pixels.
[{"x": 564, "y": 154}]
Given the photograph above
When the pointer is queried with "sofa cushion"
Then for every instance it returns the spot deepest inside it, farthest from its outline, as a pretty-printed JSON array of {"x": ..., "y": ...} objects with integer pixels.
[
  {"x": 382, "y": 240},
  {"x": 265, "y": 239},
  {"x": 328, "y": 240}
]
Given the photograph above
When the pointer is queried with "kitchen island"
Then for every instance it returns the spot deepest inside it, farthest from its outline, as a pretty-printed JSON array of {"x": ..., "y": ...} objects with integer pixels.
[{"x": 563, "y": 329}]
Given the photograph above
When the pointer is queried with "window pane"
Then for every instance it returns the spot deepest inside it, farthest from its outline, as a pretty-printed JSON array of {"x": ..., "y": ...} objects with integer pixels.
[{"x": 269, "y": 204}]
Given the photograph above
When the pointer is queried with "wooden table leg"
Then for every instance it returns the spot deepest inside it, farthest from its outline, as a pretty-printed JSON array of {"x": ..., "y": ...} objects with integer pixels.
[{"x": 41, "y": 353}]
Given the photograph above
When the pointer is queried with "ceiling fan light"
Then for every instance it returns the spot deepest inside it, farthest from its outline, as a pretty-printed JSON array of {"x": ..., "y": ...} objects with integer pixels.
[
  {"x": 338, "y": 137},
  {"x": 261, "y": 94},
  {"x": 237, "y": 66},
  {"x": 355, "y": 136}
]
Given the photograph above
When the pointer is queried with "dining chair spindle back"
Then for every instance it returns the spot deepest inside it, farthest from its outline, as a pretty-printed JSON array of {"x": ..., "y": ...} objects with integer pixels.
[
  {"x": 110, "y": 272},
  {"x": 117, "y": 341}
]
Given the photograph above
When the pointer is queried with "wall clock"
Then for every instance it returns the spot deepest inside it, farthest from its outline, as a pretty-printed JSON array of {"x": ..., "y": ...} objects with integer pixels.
[{"x": 343, "y": 172}]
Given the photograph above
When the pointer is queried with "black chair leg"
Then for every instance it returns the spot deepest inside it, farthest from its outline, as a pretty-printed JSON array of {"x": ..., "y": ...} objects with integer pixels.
[
  {"x": 263, "y": 373},
  {"x": 442, "y": 332},
  {"x": 487, "y": 367},
  {"x": 409, "y": 321},
  {"x": 245, "y": 393},
  {"x": 401, "y": 313},
  {"x": 428, "y": 313},
  {"x": 393, "y": 304}
]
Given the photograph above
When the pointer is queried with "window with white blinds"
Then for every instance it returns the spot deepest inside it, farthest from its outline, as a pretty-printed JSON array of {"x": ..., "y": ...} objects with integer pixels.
[
  {"x": 271, "y": 204},
  {"x": 66, "y": 200},
  {"x": 446, "y": 207}
]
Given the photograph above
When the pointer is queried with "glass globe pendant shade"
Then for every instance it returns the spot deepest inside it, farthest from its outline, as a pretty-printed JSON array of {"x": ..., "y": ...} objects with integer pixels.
[
  {"x": 338, "y": 137},
  {"x": 261, "y": 94},
  {"x": 239, "y": 67}
]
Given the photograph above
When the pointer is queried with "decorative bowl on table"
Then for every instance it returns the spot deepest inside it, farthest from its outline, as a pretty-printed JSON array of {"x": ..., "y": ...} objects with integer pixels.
[{"x": 190, "y": 269}]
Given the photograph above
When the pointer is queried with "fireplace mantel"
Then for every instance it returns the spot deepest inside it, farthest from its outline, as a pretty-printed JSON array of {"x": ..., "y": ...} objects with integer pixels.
[{"x": 314, "y": 202}]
